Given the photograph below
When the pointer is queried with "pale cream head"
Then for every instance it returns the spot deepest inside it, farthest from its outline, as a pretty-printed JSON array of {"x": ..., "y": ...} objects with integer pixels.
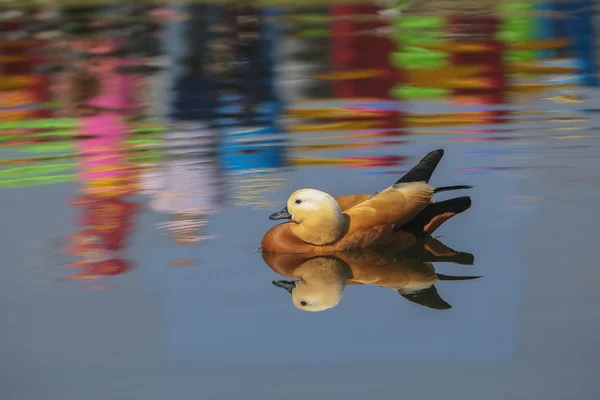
[{"x": 318, "y": 217}]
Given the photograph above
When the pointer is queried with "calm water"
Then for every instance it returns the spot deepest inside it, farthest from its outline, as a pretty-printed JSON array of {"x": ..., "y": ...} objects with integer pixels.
[{"x": 206, "y": 321}]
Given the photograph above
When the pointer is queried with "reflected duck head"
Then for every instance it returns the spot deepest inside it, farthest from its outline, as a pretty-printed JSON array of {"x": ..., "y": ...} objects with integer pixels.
[{"x": 321, "y": 285}]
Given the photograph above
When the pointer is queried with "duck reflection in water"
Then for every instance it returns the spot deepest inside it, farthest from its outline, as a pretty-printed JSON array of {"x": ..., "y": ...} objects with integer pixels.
[{"x": 321, "y": 279}]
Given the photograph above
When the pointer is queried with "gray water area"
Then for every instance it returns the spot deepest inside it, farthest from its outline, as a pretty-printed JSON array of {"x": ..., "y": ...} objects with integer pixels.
[{"x": 527, "y": 330}]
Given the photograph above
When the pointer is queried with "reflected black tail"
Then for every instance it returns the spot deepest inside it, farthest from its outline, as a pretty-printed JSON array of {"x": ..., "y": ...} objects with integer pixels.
[
  {"x": 461, "y": 258},
  {"x": 427, "y": 297},
  {"x": 432, "y": 250}
]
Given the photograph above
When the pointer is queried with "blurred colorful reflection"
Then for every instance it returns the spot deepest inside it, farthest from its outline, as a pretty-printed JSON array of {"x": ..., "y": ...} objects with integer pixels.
[{"x": 196, "y": 108}]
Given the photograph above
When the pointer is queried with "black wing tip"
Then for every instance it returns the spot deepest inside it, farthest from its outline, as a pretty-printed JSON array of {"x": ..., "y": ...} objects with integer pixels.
[
  {"x": 463, "y": 204},
  {"x": 434, "y": 155},
  {"x": 456, "y": 205},
  {"x": 424, "y": 169}
]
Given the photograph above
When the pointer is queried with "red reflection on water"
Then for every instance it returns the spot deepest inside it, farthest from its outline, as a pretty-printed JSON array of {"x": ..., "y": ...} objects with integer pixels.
[
  {"x": 483, "y": 139},
  {"x": 483, "y": 29},
  {"x": 376, "y": 161}
]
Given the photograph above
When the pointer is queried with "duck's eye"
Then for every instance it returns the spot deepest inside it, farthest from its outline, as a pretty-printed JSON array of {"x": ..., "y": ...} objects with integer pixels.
[
  {"x": 303, "y": 303},
  {"x": 298, "y": 201}
]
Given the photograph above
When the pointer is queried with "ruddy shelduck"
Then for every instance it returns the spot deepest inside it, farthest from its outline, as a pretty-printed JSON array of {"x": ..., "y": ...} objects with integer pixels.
[{"x": 318, "y": 223}]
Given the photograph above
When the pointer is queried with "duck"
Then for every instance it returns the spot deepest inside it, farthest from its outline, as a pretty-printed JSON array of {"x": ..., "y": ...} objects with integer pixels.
[
  {"x": 322, "y": 278},
  {"x": 399, "y": 214}
]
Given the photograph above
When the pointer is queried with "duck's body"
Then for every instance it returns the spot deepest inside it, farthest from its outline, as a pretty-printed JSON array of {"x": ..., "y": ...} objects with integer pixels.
[
  {"x": 368, "y": 222},
  {"x": 395, "y": 216},
  {"x": 281, "y": 239}
]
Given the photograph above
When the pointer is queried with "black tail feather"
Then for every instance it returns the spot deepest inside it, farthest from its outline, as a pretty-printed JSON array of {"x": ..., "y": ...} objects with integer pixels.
[
  {"x": 448, "y": 188},
  {"x": 424, "y": 169},
  {"x": 417, "y": 225},
  {"x": 443, "y": 277}
]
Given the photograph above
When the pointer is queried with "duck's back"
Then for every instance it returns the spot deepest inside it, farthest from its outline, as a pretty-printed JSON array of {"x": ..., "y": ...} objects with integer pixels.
[{"x": 396, "y": 205}]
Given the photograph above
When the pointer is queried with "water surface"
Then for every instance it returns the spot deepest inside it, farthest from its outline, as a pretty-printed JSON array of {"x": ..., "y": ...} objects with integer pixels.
[{"x": 205, "y": 319}]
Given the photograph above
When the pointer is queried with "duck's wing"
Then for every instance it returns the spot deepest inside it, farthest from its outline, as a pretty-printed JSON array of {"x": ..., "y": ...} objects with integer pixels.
[
  {"x": 405, "y": 200},
  {"x": 347, "y": 202},
  {"x": 419, "y": 173},
  {"x": 397, "y": 204}
]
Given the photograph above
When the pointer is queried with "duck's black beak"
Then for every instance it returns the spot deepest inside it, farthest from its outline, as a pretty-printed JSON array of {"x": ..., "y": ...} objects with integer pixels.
[
  {"x": 282, "y": 214},
  {"x": 287, "y": 285}
]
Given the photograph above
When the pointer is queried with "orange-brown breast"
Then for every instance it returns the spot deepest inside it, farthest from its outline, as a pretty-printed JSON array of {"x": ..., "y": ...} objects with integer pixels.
[{"x": 280, "y": 239}]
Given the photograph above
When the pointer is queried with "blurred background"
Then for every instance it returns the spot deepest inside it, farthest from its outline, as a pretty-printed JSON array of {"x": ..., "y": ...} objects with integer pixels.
[{"x": 144, "y": 145}]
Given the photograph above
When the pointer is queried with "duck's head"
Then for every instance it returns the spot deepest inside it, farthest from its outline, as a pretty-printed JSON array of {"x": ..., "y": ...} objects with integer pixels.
[
  {"x": 321, "y": 286},
  {"x": 317, "y": 218}
]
